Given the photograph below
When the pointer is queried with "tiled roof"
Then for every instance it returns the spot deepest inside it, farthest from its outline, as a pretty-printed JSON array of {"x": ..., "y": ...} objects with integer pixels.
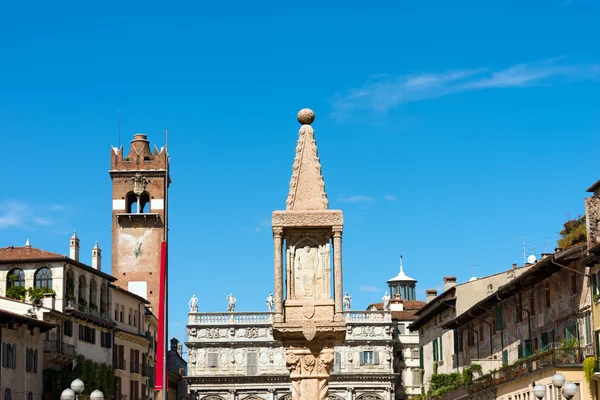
[
  {"x": 7, "y": 316},
  {"x": 12, "y": 254},
  {"x": 408, "y": 314}
]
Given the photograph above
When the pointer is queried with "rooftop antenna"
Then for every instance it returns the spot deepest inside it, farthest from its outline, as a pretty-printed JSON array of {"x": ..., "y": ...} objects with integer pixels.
[
  {"x": 546, "y": 244},
  {"x": 401, "y": 268},
  {"x": 473, "y": 265},
  {"x": 119, "y": 130},
  {"x": 524, "y": 249}
]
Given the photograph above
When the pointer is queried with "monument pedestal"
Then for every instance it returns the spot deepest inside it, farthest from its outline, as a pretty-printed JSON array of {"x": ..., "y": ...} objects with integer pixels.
[{"x": 310, "y": 361}]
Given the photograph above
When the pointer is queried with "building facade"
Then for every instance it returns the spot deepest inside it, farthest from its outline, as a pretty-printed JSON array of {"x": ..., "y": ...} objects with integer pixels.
[{"x": 22, "y": 351}]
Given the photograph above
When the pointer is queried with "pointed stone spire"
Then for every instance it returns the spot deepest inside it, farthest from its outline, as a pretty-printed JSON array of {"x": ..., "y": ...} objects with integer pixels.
[
  {"x": 74, "y": 247},
  {"x": 27, "y": 243},
  {"x": 96, "y": 257},
  {"x": 307, "y": 188}
]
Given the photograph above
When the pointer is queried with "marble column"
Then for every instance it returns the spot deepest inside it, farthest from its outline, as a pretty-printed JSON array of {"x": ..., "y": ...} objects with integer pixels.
[
  {"x": 349, "y": 393},
  {"x": 337, "y": 272},
  {"x": 278, "y": 264}
]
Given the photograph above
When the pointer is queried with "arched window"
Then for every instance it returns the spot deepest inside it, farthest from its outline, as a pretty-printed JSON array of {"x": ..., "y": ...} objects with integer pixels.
[
  {"x": 82, "y": 293},
  {"x": 43, "y": 278},
  {"x": 16, "y": 277},
  {"x": 70, "y": 285},
  {"x": 93, "y": 293},
  {"x": 103, "y": 298},
  {"x": 145, "y": 203},
  {"x": 7, "y": 395},
  {"x": 133, "y": 204},
  {"x": 369, "y": 396}
]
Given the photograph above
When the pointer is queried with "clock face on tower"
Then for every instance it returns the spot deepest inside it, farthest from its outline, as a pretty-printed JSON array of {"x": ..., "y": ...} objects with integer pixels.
[{"x": 137, "y": 250}]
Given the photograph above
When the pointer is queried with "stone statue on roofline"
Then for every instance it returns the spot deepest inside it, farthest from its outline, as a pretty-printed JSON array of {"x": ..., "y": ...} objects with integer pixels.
[
  {"x": 347, "y": 301},
  {"x": 270, "y": 302},
  {"x": 193, "y": 303},
  {"x": 230, "y": 303},
  {"x": 386, "y": 301}
]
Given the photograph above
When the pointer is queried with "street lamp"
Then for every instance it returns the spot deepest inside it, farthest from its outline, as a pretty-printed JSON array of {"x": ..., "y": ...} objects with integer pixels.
[
  {"x": 569, "y": 390},
  {"x": 558, "y": 380},
  {"x": 539, "y": 391},
  {"x": 77, "y": 387}
]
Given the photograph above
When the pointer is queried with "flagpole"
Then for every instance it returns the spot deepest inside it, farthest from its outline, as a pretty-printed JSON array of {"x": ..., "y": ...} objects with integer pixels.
[{"x": 165, "y": 373}]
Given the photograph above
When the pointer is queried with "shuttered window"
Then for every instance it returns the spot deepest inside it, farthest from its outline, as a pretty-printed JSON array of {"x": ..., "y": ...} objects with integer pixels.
[
  {"x": 499, "y": 326},
  {"x": 435, "y": 350},
  {"x": 213, "y": 360},
  {"x": 337, "y": 362},
  {"x": 251, "y": 363},
  {"x": 421, "y": 357},
  {"x": 441, "y": 353}
]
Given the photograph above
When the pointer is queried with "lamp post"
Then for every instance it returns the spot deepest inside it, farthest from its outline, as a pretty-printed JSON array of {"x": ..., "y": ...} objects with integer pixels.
[
  {"x": 539, "y": 391},
  {"x": 77, "y": 387},
  {"x": 558, "y": 380}
]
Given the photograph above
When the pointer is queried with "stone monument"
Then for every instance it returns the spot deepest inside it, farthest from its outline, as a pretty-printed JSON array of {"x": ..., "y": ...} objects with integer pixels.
[{"x": 310, "y": 321}]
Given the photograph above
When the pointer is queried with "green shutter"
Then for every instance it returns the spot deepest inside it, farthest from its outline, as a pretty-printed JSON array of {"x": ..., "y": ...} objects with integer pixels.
[
  {"x": 498, "y": 318},
  {"x": 544, "y": 340},
  {"x": 441, "y": 354},
  {"x": 587, "y": 329},
  {"x": 435, "y": 348},
  {"x": 14, "y": 356},
  {"x": 421, "y": 357},
  {"x": 505, "y": 357},
  {"x": 520, "y": 351},
  {"x": 527, "y": 348},
  {"x": 4, "y": 354}
]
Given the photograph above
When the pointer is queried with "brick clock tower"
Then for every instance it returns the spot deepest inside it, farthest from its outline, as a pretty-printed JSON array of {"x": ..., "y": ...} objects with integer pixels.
[{"x": 139, "y": 182}]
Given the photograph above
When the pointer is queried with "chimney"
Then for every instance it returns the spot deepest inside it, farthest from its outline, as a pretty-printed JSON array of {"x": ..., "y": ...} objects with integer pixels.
[
  {"x": 430, "y": 294},
  {"x": 49, "y": 301},
  {"x": 514, "y": 266},
  {"x": 27, "y": 243},
  {"x": 96, "y": 257},
  {"x": 449, "y": 282},
  {"x": 397, "y": 304},
  {"x": 74, "y": 247}
]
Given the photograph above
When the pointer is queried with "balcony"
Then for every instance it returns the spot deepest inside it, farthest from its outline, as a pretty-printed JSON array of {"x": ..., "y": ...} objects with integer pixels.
[
  {"x": 135, "y": 368},
  {"x": 58, "y": 353},
  {"x": 546, "y": 359},
  {"x": 119, "y": 364},
  {"x": 228, "y": 318},
  {"x": 368, "y": 316}
]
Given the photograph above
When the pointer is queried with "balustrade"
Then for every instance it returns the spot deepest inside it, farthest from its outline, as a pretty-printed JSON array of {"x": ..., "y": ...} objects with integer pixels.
[
  {"x": 227, "y": 318},
  {"x": 368, "y": 316}
]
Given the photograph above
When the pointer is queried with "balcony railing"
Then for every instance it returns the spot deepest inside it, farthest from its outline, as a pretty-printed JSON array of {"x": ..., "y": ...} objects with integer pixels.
[
  {"x": 368, "y": 316},
  {"x": 119, "y": 364},
  {"x": 135, "y": 368},
  {"x": 227, "y": 318},
  {"x": 60, "y": 347},
  {"x": 521, "y": 368}
]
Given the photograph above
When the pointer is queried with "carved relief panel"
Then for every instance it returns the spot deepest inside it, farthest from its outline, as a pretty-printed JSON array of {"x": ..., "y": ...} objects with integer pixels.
[{"x": 309, "y": 266}]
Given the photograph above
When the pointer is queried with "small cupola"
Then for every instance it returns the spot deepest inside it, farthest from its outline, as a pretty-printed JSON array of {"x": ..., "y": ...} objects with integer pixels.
[{"x": 402, "y": 285}]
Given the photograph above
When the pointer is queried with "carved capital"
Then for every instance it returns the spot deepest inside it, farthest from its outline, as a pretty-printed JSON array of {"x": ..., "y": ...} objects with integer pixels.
[
  {"x": 337, "y": 231},
  {"x": 277, "y": 231}
]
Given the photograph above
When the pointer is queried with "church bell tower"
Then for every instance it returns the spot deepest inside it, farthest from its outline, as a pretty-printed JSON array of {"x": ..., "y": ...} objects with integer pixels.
[{"x": 139, "y": 180}]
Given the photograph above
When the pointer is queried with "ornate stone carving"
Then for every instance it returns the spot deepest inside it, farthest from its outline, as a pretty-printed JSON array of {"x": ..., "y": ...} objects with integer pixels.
[
  {"x": 369, "y": 396},
  {"x": 231, "y": 303},
  {"x": 307, "y": 218},
  {"x": 251, "y": 332},
  {"x": 292, "y": 362},
  {"x": 386, "y": 301},
  {"x": 139, "y": 184},
  {"x": 192, "y": 356},
  {"x": 309, "y": 363},
  {"x": 325, "y": 363},
  {"x": 212, "y": 333},
  {"x": 311, "y": 270}
]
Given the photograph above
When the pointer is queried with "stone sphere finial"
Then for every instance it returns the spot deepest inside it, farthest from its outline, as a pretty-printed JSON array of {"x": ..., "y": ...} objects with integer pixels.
[{"x": 306, "y": 116}]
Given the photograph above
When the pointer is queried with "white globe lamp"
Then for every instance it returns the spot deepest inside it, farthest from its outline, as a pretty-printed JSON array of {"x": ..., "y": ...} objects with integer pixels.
[
  {"x": 67, "y": 394},
  {"x": 569, "y": 390},
  {"x": 539, "y": 391}
]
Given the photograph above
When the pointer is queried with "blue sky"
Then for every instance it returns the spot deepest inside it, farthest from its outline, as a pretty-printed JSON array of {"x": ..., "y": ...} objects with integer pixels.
[{"x": 447, "y": 130}]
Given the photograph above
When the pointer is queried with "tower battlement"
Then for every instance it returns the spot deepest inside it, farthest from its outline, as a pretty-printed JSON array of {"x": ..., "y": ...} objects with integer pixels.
[{"x": 139, "y": 157}]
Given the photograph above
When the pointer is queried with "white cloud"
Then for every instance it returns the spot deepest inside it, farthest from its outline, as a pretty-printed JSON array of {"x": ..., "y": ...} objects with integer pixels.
[
  {"x": 382, "y": 94},
  {"x": 22, "y": 215},
  {"x": 390, "y": 197},
  {"x": 357, "y": 199},
  {"x": 367, "y": 288}
]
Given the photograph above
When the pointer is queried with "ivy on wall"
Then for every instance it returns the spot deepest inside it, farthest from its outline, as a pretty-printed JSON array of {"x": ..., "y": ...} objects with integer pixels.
[{"x": 94, "y": 375}]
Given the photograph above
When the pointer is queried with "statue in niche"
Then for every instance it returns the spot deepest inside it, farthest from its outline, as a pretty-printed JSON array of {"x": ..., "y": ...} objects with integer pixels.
[
  {"x": 193, "y": 303},
  {"x": 311, "y": 271}
]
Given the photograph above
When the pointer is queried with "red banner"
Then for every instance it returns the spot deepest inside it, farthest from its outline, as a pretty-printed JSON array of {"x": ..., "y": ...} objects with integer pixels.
[{"x": 161, "y": 346}]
